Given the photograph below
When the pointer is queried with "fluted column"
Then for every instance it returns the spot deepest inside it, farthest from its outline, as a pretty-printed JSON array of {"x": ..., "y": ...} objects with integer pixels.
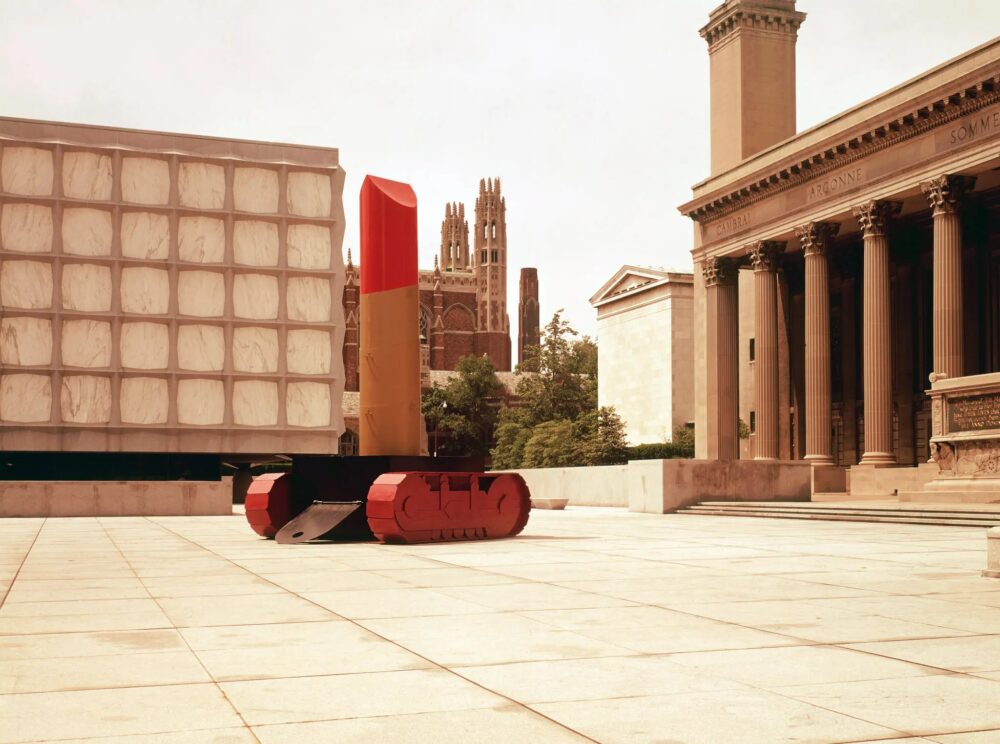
[
  {"x": 722, "y": 368},
  {"x": 815, "y": 239},
  {"x": 945, "y": 195},
  {"x": 764, "y": 258},
  {"x": 874, "y": 217}
]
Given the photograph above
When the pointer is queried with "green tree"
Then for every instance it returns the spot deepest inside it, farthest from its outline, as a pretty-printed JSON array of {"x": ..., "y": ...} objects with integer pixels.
[
  {"x": 557, "y": 422},
  {"x": 464, "y": 412}
]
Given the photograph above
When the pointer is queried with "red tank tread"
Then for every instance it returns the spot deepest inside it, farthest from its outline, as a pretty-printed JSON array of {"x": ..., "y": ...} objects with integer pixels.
[
  {"x": 268, "y": 503},
  {"x": 433, "y": 507}
]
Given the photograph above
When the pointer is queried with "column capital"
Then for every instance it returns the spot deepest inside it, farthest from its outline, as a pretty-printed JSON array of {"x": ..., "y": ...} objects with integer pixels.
[
  {"x": 719, "y": 271},
  {"x": 815, "y": 237},
  {"x": 764, "y": 254},
  {"x": 873, "y": 216},
  {"x": 947, "y": 193}
]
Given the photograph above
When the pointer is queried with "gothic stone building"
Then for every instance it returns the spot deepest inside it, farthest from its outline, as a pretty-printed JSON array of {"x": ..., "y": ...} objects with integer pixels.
[
  {"x": 463, "y": 299},
  {"x": 838, "y": 268}
]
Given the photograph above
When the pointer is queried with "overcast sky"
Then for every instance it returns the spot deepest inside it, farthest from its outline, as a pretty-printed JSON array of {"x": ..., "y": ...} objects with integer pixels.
[{"x": 593, "y": 112}]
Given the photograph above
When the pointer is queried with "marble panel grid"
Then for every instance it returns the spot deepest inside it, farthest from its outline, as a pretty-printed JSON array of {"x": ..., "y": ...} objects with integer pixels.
[
  {"x": 86, "y": 343},
  {"x": 201, "y": 185},
  {"x": 86, "y": 232},
  {"x": 201, "y": 239},
  {"x": 26, "y": 285},
  {"x": 255, "y": 190},
  {"x": 201, "y": 348},
  {"x": 86, "y": 287},
  {"x": 87, "y": 175},
  {"x": 144, "y": 400},
  {"x": 145, "y": 235},
  {"x": 85, "y": 399},
  {"x": 25, "y": 341},
  {"x": 201, "y": 293},
  {"x": 145, "y": 180},
  {"x": 26, "y": 170},
  {"x": 25, "y": 398},
  {"x": 255, "y": 403},
  {"x": 168, "y": 282},
  {"x": 26, "y": 228},
  {"x": 255, "y": 243}
]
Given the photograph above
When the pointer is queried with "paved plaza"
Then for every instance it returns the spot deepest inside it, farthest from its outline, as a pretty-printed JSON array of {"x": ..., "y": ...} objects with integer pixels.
[{"x": 594, "y": 625}]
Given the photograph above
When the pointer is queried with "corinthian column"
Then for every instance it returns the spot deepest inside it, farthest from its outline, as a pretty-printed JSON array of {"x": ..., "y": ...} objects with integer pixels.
[
  {"x": 815, "y": 239},
  {"x": 764, "y": 258},
  {"x": 874, "y": 218},
  {"x": 945, "y": 195},
  {"x": 722, "y": 368}
]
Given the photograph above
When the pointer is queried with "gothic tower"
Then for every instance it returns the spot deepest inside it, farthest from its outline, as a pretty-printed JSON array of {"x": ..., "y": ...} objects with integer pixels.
[
  {"x": 490, "y": 264},
  {"x": 528, "y": 331},
  {"x": 454, "y": 238}
]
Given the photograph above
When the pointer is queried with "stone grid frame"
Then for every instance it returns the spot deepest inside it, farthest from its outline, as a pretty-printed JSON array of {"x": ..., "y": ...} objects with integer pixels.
[{"x": 258, "y": 369}]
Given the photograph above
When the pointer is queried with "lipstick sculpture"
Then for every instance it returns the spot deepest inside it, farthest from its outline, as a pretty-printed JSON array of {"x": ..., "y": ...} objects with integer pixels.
[{"x": 390, "y": 491}]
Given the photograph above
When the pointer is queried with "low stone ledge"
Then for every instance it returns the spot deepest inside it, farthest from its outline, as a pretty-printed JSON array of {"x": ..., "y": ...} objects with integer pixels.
[
  {"x": 548, "y": 503},
  {"x": 115, "y": 498},
  {"x": 992, "y": 553}
]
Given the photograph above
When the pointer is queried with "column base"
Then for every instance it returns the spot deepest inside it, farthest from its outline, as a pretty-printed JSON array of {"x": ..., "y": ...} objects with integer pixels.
[
  {"x": 878, "y": 459},
  {"x": 760, "y": 458},
  {"x": 818, "y": 459}
]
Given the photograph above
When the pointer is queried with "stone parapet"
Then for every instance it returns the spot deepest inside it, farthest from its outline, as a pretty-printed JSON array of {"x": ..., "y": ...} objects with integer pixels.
[{"x": 116, "y": 498}]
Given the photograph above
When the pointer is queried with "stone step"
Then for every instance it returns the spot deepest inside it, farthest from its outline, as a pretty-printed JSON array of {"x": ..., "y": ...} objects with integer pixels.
[
  {"x": 977, "y": 512},
  {"x": 786, "y": 510}
]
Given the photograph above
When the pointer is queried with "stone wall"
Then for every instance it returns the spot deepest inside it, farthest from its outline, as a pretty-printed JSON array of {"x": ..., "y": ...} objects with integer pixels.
[
  {"x": 167, "y": 292},
  {"x": 662, "y": 486}
]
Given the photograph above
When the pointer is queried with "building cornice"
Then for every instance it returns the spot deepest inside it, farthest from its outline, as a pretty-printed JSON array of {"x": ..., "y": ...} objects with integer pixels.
[
  {"x": 731, "y": 18},
  {"x": 845, "y": 149}
]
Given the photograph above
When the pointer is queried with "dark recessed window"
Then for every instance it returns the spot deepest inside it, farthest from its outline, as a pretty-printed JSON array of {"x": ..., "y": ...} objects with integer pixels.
[{"x": 753, "y": 350}]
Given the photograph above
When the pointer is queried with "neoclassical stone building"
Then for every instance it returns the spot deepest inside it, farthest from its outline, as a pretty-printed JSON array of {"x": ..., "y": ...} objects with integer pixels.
[
  {"x": 463, "y": 299},
  {"x": 837, "y": 268}
]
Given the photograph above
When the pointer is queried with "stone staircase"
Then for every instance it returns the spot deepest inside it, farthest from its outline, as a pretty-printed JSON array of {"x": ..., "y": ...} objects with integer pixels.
[{"x": 951, "y": 515}]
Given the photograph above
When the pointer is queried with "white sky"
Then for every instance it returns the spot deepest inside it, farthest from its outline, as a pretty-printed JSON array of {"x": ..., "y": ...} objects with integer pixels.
[{"x": 593, "y": 112}]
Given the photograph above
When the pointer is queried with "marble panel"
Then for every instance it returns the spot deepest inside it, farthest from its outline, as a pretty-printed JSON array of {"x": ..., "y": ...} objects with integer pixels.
[
  {"x": 144, "y": 400},
  {"x": 309, "y": 299},
  {"x": 201, "y": 239},
  {"x": 86, "y": 232},
  {"x": 307, "y": 404},
  {"x": 255, "y": 243},
  {"x": 309, "y": 194},
  {"x": 145, "y": 180},
  {"x": 255, "y": 190},
  {"x": 200, "y": 402},
  {"x": 26, "y": 228},
  {"x": 86, "y": 343},
  {"x": 255, "y": 350},
  {"x": 201, "y": 293},
  {"x": 25, "y": 284},
  {"x": 87, "y": 175},
  {"x": 145, "y": 235},
  {"x": 27, "y": 171},
  {"x": 145, "y": 345},
  {"x": 309, "y": 247},
  {"x": 309, "y": 352},
  {"x": 86, "y": 288},
  {"x": 255, "y": 296},
  {"x": 201, "y": 185},
  {"x": 25, "y": 399},
  {"x": 85, "y": 399},
  {"x": 145, "y": 290},
  {"x": 25, "y": 341},
  {"x": 255, "y": 403},
  {"x": 201, "y": 348}
]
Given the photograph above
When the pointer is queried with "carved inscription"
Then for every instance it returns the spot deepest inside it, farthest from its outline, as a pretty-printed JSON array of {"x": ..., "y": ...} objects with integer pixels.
[
  {"x": 974, "y": 413},
  {"x": 732, "y": 224},
  {"x": 975, "y": 127},
  {"x": 833, "y": 184}
]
